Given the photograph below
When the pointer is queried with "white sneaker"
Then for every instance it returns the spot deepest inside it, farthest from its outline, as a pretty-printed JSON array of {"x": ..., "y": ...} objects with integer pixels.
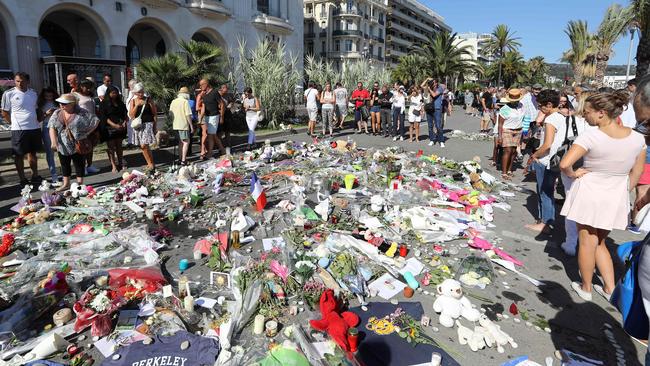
[
  {"x": 92, "y": 170},
  {"x": 577, "y": 287},
  {"x": 568, "y": 249},
  {"x": 431, "y": 143},
  {"x": 599, "y": 289},
  {"x": 395, "y": 138},
  {"x": 442, "y": 144},
  {"x": 401, "y": 138}
]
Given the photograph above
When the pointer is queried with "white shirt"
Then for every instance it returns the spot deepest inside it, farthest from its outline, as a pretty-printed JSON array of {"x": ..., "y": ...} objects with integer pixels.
[
  {"x": 399, "y": 100},
  {"x": 22, "y": 108},
  {"x": 101, "y": 90},
  {"x": 628, "y": 117},
  {"x": 558, "y": 121},
  {"x": 311, "y": 95},
  {"x": 513, "y": 118}
]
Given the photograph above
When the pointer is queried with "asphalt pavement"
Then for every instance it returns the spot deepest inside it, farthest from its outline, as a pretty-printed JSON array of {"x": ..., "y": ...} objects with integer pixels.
[{"x": 591, "y": 329}]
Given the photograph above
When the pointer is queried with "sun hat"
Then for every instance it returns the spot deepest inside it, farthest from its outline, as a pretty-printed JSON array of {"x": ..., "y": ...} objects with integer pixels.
[
  {"x": 513, "y": 95},
  {"x": 184, "y": 90},
  {"x": 66, "y": 99}
]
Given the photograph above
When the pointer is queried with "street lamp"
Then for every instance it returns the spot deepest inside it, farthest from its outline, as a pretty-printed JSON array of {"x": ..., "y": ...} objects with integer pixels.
[{"x": 629, "y": 54}]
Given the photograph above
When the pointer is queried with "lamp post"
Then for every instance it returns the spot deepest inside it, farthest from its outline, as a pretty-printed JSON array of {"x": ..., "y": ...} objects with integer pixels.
[{"x": 629, "y": 53}]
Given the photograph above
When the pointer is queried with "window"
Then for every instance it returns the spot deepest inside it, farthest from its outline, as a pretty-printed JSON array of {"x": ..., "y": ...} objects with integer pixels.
[
  {"x": 350, "y": 5},
  {"x": 380, "y": 52},
  {"x": 310, "y": 9},
  {"x": 323, "y": 48},
  {"x": 337, "y": 46},
  {"x": 263, "y": 6},
  {"x": 348, "y": 45},
  {"x": 348, "y": 25},
  {"x": 372, "y": 31},
  {"x": 310, "y": 48},
  {"x": 381, "y": 17},
  {"x": 310, "y": 28},
  {"x": 371, "y": 50}
]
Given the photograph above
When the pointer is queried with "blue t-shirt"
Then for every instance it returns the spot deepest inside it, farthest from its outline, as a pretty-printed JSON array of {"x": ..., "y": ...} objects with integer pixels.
[
  {"x": 166, "y": 351},
  {"x": 437, "y": 103}
]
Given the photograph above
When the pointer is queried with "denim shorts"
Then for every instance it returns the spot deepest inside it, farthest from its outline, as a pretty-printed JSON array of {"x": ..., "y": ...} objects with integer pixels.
[
  {"x": 375, "y": 109},
  {"x": 213, "y": 124}
]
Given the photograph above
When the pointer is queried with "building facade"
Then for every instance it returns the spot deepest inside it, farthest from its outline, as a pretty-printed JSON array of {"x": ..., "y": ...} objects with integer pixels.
[
  {"x": 50, "y": 38},
  {"x": 338, "y": 30},
  {"x": 409, "y": 23},
  {"x": 475, "y": 43}
]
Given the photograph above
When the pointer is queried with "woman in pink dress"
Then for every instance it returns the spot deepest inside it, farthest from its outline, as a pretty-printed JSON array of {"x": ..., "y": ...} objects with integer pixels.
[{"x": 599, "y": 198}]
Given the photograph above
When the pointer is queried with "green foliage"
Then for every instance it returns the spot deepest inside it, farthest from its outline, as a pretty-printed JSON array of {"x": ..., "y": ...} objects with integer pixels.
[
  {"x": 503, "y": 41},
  {"x": 363, "y": 71},
  {"x": 581, "y": 54},
  {"x": 320, "y": 71},
  {"x": 443, "y": 58},
  {"x": 513, "y": 68},
  {"x": 205, "y": 61},
  {"x": 272, "y": 75},
  {"x": 536, "y": 70},
  {"x": 468, "y": 86},
  {"x": 411, "y": 69}
]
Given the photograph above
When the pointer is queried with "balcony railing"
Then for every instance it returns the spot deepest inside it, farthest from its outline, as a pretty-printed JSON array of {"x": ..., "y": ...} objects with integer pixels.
[
  {"x": 346, "y": 12},
  {"x": 355, "y": 33},
  {"x": 380, "y": 40},
  {"x": 310, "y": 35},
  {"x": 323, "y": 34}
]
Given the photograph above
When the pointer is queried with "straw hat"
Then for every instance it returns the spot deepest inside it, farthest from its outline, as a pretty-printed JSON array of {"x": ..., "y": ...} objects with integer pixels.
[
  {"x": 66, "y": 99},
  {"x": 514, "y": 95},
  {"x": 184, "y": 90}
]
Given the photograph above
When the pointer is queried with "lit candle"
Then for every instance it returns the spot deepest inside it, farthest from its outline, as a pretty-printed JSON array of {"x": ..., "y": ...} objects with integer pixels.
[
  {"x": 189, "y": 303},
  {"x": 258, "y": 325}
]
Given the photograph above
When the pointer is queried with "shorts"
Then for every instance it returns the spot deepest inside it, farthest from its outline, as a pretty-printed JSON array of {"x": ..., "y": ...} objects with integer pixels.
[
  {"x": 511, "y": 138},
  {"x": 26, "y": 141},
  {"x": 375, "y": 109},
  {"x": 341, "y": 110},
  {"x": 645, "y": 176},
  {"x": 312, "y": 113},
  {"x": 487, "y": 116},
  {"x": 414, "y": 119},
  {"x": 183, "y": 135},
  {"x": 213, "y": 124}
]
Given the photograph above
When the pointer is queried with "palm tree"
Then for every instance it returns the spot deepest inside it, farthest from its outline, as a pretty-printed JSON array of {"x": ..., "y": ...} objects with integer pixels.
[
  {"x": 537, "y": 68},
  {"x": 513, "y": 67},
  {"x": 615, "y": 23},
  {"x": 319, "y": 71},
  {"x": 443, "y": 58},
  {"x": 163, "y": 76},
  {"x": 581, "y": 55},
  {"x": 641, "y": 10},
  {"x": 410, "y": 69},
  {"x": 205, "y": 60},
  {"x": 502, "y": 41}
]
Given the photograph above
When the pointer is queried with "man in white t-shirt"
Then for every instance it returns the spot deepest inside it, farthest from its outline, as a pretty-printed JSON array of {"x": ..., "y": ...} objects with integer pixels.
[
  {"x": 106, "y": 82},
  {"x": 19, "y": 107},
  {"x": 628, "y": 117},
  {"x": 311, "y": 95}
]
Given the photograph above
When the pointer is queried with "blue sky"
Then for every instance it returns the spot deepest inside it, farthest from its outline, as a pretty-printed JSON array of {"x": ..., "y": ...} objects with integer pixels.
[{"x": 539, "y": 23}]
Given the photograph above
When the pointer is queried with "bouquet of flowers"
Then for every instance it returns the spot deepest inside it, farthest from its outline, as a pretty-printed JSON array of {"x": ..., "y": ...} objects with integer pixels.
[
  {"x": 311, "y": 292},
  {"x": 95, "y": 308}
]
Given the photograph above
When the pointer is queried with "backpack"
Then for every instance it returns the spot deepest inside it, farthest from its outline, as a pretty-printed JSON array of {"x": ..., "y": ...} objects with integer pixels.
[
  {"x": 488, "y": 100},
  {"x": 554, "y": 164}
]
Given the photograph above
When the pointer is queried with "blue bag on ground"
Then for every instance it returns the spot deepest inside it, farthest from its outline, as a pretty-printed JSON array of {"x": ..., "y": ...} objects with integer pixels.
[{"x": 627, "y": 294}]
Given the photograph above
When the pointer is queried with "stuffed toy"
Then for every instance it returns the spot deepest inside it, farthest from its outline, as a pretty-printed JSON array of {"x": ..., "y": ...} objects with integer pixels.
[
  {"x": 452, "y": 304},
  {"x": 78, "y": 190},
  {"x": 334, "y": 323},
  {"x": 476, "y": 340},
  {"x": 495, "y": 333}
]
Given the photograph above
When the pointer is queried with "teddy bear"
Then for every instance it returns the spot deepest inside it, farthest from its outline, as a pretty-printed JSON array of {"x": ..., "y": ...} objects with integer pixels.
[
  {"x": 477, "y": 339},
  {"x": 452, "y": 304},
  {"x": 334, "y": 322},
  {"x": 78, "y": 190},
  {"x": 495, "y": 333}
]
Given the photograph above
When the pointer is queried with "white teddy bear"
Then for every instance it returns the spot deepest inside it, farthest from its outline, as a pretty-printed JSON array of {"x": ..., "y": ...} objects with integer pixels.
[
  {"x": 452, "y": 304},
  {"x": 78, "y": 190},
  {"x": 500, "y": 337},
  {"x": 476, "y": 340}
]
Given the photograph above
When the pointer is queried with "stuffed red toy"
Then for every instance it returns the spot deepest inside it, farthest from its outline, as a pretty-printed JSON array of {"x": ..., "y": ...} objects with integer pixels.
[{"x": 335, "y": 324}]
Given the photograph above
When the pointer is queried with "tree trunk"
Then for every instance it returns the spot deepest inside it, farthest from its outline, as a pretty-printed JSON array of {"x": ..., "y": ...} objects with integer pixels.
[
  {"x": 577, "y": 74},
  {"x": 643, "y": 55},
  {"x": 601, "y": 66}
]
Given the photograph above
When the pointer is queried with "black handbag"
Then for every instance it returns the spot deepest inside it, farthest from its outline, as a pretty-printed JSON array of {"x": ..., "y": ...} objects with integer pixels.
[{"x": 554, "y": 164}]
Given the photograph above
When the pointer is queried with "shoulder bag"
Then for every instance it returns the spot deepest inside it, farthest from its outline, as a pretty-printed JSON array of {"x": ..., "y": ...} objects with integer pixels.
[
  {"x": 627, "y": 296},
  {"x": 136, "y": 123},
  {"x": 81, "y": 146},
  {"x": 554, "y": 164}
]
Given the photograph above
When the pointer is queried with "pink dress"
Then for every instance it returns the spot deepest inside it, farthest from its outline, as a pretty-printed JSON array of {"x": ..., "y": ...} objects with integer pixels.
[{"x": 600, "y": 198}]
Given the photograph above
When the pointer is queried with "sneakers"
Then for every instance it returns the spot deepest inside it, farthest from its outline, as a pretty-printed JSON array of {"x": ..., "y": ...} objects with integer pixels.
[
  {"x": 633, "y": 229},
  {"x": 395, "y": 138},
  {"x": 401, "y": 138},
  {"x": 442, "y": 144},
  {"x": 599, "y": 289},
  {"x": 92, "y": 170},
  {"x": 577, "y": 287},
  {"x": 568, "y": 249},
  {"x": 431, "y": 143}
]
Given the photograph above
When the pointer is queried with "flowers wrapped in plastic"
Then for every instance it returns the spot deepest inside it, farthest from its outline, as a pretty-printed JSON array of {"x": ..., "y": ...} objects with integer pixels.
[{"x": 95, "y": 308}]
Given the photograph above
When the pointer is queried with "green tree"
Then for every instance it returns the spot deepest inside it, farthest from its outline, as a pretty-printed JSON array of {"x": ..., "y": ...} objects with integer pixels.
[
  {"x": 320, "y": 71},
  {"x": 536, "y": 68},
  {"x": 641, "y": 12},
  {"x": 614, "y": 24},
  {"x": 205, "y": 60},
  {"x": 162, "y": 77},
  {"x": 443, "y": 58},
  {"x": 363, "y": 71},
  {"x": 410, "y": 69},
  {"x": 273, "y": 76},
  {"x": 502, "y": 40},
  {"x": 513, "y": 68},
  {"x": 581, "y": 55}
]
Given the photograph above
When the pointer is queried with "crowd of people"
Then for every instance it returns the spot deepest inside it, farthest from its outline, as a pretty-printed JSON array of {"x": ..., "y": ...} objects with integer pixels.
[
  {"x": 381, "y": 111},
  {"x": 72, "y": 124}
]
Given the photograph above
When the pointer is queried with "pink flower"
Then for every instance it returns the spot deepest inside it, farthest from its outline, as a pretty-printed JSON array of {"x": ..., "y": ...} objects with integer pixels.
[{"x": 280, "y": 270}]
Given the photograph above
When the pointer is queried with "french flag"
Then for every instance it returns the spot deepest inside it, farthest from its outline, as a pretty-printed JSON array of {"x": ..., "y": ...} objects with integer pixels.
[{"x": 257, "y": 191}]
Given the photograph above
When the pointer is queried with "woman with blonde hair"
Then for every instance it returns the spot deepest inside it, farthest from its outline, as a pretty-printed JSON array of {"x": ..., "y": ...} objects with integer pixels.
[
  {"x": 598, "y": 200},
  {"x": 144, "y": 135}
]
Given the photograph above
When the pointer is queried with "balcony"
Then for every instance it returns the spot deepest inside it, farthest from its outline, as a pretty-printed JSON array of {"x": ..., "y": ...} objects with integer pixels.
[
  {"x": 345, "y": 55},
  {"x": 346, "y": 13},
  {"x": 272, "y": 24},
  {"x": 411, "y": 32},
  {"x": 352, "y": 33},
  {"x": 167, "y": 4},
  {"x": 323, "y": 34},
  {"x": 209, "y": 8},
  {"x": 374, "y": 19},
  {"x": 310, "y": 35}
]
